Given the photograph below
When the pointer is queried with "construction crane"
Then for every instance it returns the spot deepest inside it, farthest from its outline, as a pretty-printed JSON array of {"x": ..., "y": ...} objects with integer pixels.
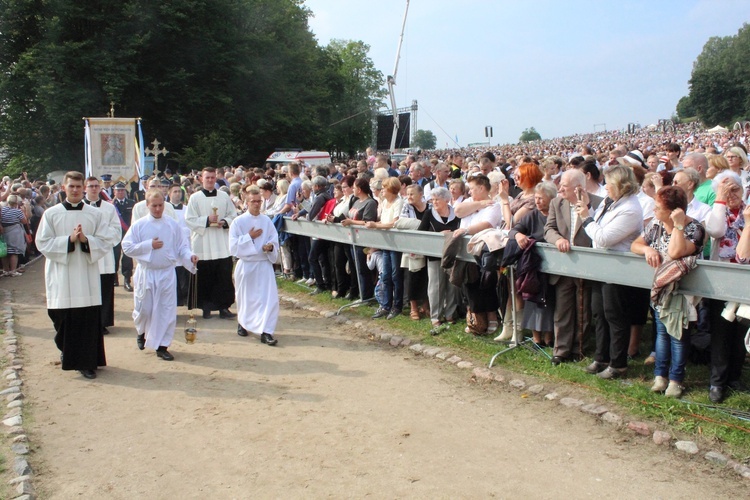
[{"x": 391, "y": 81}]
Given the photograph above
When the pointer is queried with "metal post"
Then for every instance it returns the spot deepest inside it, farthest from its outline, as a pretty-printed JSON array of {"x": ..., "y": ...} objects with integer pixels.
[
  {"x": 359, "y": 301},
  {"x": 518, "y": 340}
]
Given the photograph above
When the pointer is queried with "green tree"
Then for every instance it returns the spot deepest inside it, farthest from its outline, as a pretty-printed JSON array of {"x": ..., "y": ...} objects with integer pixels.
[
  {"x": 215, "y": 80},
  {"x": 720, "y": 80},
  {"x": 359, "y": 93},
  {"x": 530, "y": 134},
  {"x": 685, "y": 108},
  {"x": 424, "y": 139}
]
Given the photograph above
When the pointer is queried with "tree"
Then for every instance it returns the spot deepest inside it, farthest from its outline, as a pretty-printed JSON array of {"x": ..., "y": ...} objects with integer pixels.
[
  {"x": 424, "y": 139},
  {"x": 720, "y": 80},
  {"x": 223, "y": 81},
  {"x": 359, "y": 93},
  {"x": 530, "y": 134},
  {"x": 685, "y": 108}
]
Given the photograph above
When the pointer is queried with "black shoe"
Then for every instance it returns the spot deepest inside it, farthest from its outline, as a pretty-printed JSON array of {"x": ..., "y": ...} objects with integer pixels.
[
  {"x": 317, "y": 291},
  {"x": 394, "y": 313},
  {"x": 206, "y": 314},
  {"x": 226, "y": 314},
  {"x": 350, "y": 296},
  {"x": 716, "y": 394},
  {"x": 89, "y": 374},
  {"x": 380, "y": 313},
  {"x": 127, "y": 286},
  {"x": 241, "y": 331},
  {"x": 141, "y": 341},
  {"x": 558, "y": 360},
  {"x": 117, "y": 283},
  {"x": 268, "y": 339},
  {"x": 105, "y": 331},
  {"x": 164, "y": 354}
]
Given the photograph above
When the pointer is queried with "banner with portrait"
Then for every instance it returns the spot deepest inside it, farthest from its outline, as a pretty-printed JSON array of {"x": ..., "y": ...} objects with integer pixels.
[{"x": 111, "y": 148}]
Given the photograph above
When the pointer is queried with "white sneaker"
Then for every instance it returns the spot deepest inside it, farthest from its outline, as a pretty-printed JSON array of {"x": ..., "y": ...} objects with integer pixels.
[
  {"x": 310, "y": 282},
  {"x": 506, "y": 334},
  {"x": 300, "y": 281},
  {"x": 674, "y": 390},
  {"x": 660, "y": 383}
]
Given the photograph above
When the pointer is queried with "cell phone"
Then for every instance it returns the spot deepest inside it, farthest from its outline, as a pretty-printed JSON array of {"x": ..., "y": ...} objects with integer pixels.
[{"x": 578, "y": 193}]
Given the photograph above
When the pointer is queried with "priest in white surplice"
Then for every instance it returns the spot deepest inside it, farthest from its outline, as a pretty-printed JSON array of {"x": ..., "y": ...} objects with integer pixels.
[
  {"x": 73, "y": 237},
  {"x": 158, "y": 244},
  {"x": 254, "y": 241},
  {"x": 209, "y": 214},
  {"x": 106, "y": 264}
]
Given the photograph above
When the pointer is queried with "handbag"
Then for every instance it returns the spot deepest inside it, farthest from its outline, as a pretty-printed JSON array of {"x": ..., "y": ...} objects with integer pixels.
[
  {"x": 476, "y": 322},
  {"x": 3, "y": 247}
]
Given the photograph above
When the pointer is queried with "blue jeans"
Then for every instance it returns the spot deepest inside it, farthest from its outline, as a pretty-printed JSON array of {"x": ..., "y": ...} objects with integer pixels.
[
  {"x": 379, "y": 295},
  {"x": 671, "y": 354},
  {"x": 392, "y": 281}
]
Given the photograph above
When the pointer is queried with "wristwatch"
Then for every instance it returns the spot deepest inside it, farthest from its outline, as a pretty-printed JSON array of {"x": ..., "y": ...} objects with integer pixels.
[{"x": 679, "y": 227}]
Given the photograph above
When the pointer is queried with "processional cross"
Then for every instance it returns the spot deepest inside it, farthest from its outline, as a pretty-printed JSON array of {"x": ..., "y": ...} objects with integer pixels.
[{"x": 155, "y": 151}]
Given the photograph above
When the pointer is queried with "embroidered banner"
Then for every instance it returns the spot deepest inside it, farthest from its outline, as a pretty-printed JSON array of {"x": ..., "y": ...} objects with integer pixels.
[{"x": 112, "y": 148}]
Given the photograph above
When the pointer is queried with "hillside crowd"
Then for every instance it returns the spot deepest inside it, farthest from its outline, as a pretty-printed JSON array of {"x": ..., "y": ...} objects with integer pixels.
[{"x": 673, "y": 197}]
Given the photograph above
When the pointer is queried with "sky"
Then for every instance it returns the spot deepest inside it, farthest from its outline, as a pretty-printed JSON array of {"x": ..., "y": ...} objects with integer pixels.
[{"x": 560, "y": 66}]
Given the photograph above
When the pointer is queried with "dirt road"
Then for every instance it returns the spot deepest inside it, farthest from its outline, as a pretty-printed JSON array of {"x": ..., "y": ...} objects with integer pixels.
[{"x": 324, "y": 414}]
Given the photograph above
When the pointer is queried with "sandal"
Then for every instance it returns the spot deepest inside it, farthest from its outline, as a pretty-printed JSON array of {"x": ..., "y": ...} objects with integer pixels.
[
  {"x": 492, "y": 327},
  {"x": 414, "y": 314}
]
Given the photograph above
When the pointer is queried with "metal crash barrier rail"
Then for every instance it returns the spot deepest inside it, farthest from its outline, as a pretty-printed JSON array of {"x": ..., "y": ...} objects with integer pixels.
[{"x": 715, "y": 280}]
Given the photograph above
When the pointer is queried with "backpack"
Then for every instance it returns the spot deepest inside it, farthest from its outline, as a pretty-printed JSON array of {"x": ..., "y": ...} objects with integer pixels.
[{"x": 327, "y": 209}]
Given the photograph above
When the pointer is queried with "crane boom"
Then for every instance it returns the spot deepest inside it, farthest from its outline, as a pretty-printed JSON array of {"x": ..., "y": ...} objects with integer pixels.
[{"x": 391, "y": 81}]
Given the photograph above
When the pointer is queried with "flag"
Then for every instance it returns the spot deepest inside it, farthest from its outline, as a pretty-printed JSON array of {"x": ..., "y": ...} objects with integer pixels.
[
  {"x": 140, "y": 159},
  {"x": 87, "y": 147}
]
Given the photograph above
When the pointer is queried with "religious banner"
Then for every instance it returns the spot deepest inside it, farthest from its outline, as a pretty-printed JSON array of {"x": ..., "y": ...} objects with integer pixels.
[{"x": 111, "y": 148}]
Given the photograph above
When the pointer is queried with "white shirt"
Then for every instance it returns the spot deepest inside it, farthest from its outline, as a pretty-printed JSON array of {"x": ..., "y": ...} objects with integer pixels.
[{"x": 697, "y": 210}]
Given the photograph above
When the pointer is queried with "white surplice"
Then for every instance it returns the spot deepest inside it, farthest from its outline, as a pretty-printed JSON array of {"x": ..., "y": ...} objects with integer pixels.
[
  {"x": 155, "y": 294},
  {"x": 72, "y": 278},
  {"x": 140, "y": 210},
  {"x": 256, "y": 294},
  {"x": 112, "y": 221},
  {"x": 209, "y": 243}
]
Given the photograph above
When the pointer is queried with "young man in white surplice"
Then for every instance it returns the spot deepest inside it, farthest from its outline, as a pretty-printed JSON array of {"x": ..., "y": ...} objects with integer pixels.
[
  {"x": 254, "y": 241},
  {"x": 158, "y": 244}
]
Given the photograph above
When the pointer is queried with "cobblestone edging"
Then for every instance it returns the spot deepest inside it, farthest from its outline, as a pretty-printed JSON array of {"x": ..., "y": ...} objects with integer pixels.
[
  {"x": 14, "y": 396},
  {"x": 486, "y": 375}
]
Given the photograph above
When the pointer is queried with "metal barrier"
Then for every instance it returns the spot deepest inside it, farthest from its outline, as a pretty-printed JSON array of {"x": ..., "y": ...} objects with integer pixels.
[{"x": 715, "y": 280}]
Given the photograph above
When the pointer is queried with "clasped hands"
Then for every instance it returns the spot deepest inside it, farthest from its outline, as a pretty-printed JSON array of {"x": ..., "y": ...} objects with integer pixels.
[{"x": 77, "y": 235}]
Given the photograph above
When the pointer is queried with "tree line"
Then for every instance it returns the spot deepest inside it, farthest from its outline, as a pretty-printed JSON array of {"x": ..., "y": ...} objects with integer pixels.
[
  {"x": 720, "y": 81},
  {"x": 217, "y": 81}
]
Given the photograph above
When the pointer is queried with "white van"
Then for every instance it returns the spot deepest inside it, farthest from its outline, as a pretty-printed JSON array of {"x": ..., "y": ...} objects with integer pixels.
[{"x": 312, "y": 158}]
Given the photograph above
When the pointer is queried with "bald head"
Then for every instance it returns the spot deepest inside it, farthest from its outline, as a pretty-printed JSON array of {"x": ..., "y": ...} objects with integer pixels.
[{"x": 699, "y": 162}]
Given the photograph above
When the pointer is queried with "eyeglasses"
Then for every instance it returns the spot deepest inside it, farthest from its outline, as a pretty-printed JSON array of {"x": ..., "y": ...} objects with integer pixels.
[{"x": 731, "y": 157}]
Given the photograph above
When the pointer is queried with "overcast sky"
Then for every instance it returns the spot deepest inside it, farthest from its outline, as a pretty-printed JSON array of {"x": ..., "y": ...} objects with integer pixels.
[{"x": 561, "y": 66}]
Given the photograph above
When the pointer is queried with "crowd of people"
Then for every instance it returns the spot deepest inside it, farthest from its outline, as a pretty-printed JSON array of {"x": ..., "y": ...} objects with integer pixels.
[{"x": 673, "y": 197}]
